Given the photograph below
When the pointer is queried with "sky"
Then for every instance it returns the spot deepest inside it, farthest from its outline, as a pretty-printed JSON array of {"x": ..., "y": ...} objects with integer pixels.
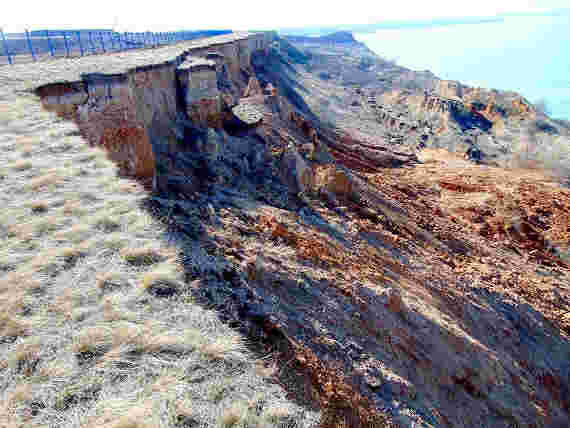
[{"x": 168, "y": 15}]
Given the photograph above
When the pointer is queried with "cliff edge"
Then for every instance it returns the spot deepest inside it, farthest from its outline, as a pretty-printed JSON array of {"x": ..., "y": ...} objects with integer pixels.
[{"x": 398, "y": 284}]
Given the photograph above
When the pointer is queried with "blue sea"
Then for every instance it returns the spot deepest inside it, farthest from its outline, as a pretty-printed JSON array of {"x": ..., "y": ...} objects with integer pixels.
[{"x": 527, "y": 54}]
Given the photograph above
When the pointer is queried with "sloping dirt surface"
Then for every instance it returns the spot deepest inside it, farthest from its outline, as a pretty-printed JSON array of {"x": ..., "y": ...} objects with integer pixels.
[{"x": 428, "y": 296}]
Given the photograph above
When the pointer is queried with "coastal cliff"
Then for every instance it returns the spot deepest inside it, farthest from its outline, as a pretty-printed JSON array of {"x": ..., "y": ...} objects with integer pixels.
[
  {"x": 136, "y": 112},
  {"x": 315, "y": 212}
]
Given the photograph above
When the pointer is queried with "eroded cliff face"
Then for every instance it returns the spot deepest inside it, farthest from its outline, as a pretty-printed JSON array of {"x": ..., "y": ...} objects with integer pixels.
[
  {"x": 376, "y": 271},
  {"x": 414, "y": 109},
  {"x": 139, "y": 115}
]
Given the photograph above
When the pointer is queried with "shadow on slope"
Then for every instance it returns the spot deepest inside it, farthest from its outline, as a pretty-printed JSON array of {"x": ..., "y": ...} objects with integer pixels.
[{"x": 365, "y": 319}]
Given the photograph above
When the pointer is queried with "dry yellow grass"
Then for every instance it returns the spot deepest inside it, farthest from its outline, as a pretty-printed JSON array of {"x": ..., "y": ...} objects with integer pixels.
[
  {"x": 22, "y": 165},
  {"x": 21, "y": 393},
  {"x": 79, "y": 254},
  {"x": 44, "y": 182},
  {"x": 233, "y": 415},
  {"x": 124, "y": 414},
  {"x": 25, "y": 358},
  {"x": 142, "y": 256},
  {"x": 11, "y": 326},
  {"x": 108, "y": 281}
]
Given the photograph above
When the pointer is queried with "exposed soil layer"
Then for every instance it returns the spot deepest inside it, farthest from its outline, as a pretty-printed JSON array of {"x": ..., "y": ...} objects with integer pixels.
[{"x": 403, "y": 286}]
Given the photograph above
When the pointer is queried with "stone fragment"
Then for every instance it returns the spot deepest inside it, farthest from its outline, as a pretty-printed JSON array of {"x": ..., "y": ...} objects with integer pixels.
[
  {"x": 212, "y": 217},
  {"x": 253, "y": 88},
  {"x": 392, "y": 298},
  {"x": 247, "y": 114},
  {"x": 270, "y": 90},
  {"x": 296, "y": 172}
]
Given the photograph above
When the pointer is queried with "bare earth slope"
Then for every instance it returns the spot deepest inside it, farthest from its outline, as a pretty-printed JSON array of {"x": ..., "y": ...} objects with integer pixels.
[
  {"x": 86, "y": 337},
  {"x": 396, "y": 286}
]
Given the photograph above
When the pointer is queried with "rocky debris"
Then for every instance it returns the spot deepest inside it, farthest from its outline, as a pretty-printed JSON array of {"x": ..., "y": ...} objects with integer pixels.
[
  {"x": 416, "y": 292},
  {"x": 392, "y": 298},
  {"x": 214, "y": 56},
  {"x": 296, "y": 172},
  {"x": 399, "y": 289},
  {"x": 247, "y": 114},
  {"x": 270, "y": 90},
  {"x": 253, "y": 88},
  {"x": 404, "y": 319},
  {"x": 336, "y": 181},
  {"x": 196, "y": 63},
  {"x": 367, "y": 156}
]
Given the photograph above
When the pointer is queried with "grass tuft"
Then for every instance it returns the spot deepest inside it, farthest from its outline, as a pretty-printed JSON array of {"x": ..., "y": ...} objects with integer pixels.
[
  {"x": 111, "y": 281},
  {"x": 46, "y": 182},
  {"x": 39, "y": 207},
  {"x": 92, "y": 343},
  {"x": 25, "y": 358},
  {"x": 142, "y": 256},
  {"x": 161, "y": 283},
  {"x": 23, "y": 165},
  {"x": 107, "y": 224},
  {"x": 11, "y": 328}
]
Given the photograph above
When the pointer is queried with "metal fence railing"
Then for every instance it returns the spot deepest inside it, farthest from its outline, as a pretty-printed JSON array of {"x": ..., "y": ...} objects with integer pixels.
[{"x": 40, "y": 45}]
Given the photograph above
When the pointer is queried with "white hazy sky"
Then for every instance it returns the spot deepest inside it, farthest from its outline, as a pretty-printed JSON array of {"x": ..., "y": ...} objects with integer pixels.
[{"x": 167, "y": 15}]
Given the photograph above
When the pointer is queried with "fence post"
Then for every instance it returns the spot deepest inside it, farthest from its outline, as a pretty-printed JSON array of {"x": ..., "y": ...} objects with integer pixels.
[
  {"x": 93, "y": 47},
  {"x": 79, "y": 41},
  {"x": 101, "y": 39},
  {"x": 65, "y": 42},
  {"x": 30, "y": 45},
  {"x": 51, "y": 49},
  {"x": 6, "y": 47}
]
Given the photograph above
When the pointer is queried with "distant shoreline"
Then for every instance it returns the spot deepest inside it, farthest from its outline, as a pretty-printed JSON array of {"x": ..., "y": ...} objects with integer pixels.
[
  {"x": 529, "y": 58},
  {"x": 411, "y": 24}
]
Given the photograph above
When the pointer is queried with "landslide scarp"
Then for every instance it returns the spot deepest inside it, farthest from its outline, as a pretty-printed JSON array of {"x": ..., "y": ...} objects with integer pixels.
[
  {"x": 355, "y": 89},
  {"x": 398, "y": 286}
]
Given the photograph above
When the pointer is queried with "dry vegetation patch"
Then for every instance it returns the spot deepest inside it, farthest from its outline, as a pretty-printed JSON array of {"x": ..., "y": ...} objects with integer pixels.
[
  {"x": 87, "y": 337},
  {"x": 142, "y": 256}
]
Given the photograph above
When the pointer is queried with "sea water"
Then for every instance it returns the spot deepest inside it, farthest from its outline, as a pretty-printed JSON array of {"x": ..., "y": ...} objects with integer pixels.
[{"x": 526, "y": 54}]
